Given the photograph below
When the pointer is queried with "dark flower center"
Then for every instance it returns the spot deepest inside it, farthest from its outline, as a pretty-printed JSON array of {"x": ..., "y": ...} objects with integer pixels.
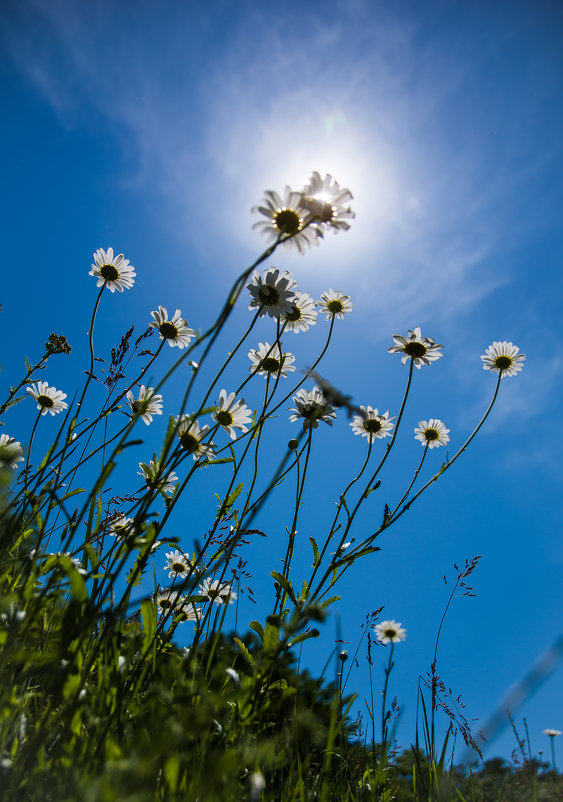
[
  {"x": 178, "y": 568},
  {"x": 294, "y": 314},
  {"x": 45, "y": 401},
  {"x": 372, "y": 425},
  {"x": 165, "y": 604},
  {"x": 168, "y": 330},
  {"x": 270, "y": 364},
  {"x": 391, "y": 633},
  {"x": 269, "y": 296},
  {"x": 415, "y": 349},
  {"x": 503, "y": 362},
  {"x": 189, "y": 442},
  {"x": 335, "y": 306},
  {"x": 139, "y": 406},
  {"x": 224, "y": 417},
  {"x": 287, "y": 221},
  {"x": 431, "y": 434},
  {"x": 109, "y": 272}
]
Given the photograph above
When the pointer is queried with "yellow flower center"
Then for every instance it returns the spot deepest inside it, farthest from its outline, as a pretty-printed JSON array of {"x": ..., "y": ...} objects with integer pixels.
[
  {"x": 45, "y": 401},
  {"x": 431, "y": 434},
  {"x": 335, "y": 306}
]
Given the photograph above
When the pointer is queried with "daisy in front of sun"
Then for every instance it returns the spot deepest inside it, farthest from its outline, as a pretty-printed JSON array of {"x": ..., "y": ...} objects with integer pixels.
[
  {"x": 287, "y": 219},
  {"x": 146, "y": 405},
  {"x": 231, "y": 414},
  {"x": 49, "y": 399},
  {"x": 175, "y": 331},
  {"x": 371, "y": 425},
  {"x": 421, "y": 350},
  {"x": 327, "y": 201},
  {"x": 114, "y": 272},
  {"x": 503, "y": 358}
]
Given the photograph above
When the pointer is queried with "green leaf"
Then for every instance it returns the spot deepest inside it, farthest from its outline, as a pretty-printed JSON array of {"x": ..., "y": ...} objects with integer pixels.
[
  {"x": 246, "y": 654},
  {"x": 148, "y": 615},
  {"x": 258, "y": 628},
  {"x": 330, "y": 601},
  {"x": 286, "y": 585},
  {"x": 271, "y": 637},
  {"x": 316, "y": 560},
  {"x": 371, "y": 489},
  {"x": 312, "y": 633}
]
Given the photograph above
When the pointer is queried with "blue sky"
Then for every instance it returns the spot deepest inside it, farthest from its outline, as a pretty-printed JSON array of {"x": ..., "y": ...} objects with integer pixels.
[{"x": 155, "y": 127}]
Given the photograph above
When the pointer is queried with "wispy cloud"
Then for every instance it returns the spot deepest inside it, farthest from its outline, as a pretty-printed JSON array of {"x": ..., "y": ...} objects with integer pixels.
[{"x": 217, "y": 116}]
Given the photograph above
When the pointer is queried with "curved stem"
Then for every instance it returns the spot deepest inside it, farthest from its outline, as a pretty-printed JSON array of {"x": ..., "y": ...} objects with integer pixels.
[
  {"x": 91, "y": 341},
  {"x": 409, "y": 488}
]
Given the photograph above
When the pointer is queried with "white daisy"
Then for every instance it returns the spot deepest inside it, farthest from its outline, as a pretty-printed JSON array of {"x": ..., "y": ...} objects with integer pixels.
[
  {"x": 167, "y": 600},
  {"x": 311, "y": 406},
  {"x": 218, "y": 592},
  {"x": 49, "y": 399},
  {"x": 335, "y": 304},
  {"x": 326, "y": 202},
  {"x": 120, "y": 527},
  {"x": 11, "y": 452},
  {"x": 272, "y": 292},
  {"x": 551, "y": 733},
  {"x": 191, "y": 434},
  {"x": 147, "y": 404},
  {"x": 268, "y": 359},
  {"x": 186, "y": 611},
  {"x": 178, "y": 565},
  {"x": 149, "y": 473},
  {"x": 390, "y": 632},
  {"x": 371, "y": 424},
  {"x": 232, "y": 415},
  {"x": 432, "y": 433},
  {"x": 115, "y": 272},
  {"x": 301, "y": 315},
  {"x": 287, "y": 217},
  {"x": 422, "y": 350},
  {"x": 175, "y": 331},
  {"x": 503, "y": 358}
]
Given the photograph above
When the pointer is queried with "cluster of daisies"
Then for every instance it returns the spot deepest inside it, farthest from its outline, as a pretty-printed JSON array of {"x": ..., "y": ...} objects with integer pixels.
[
  {"x": 180, "y": 567},
  {"x": 300, "y": 219}
]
